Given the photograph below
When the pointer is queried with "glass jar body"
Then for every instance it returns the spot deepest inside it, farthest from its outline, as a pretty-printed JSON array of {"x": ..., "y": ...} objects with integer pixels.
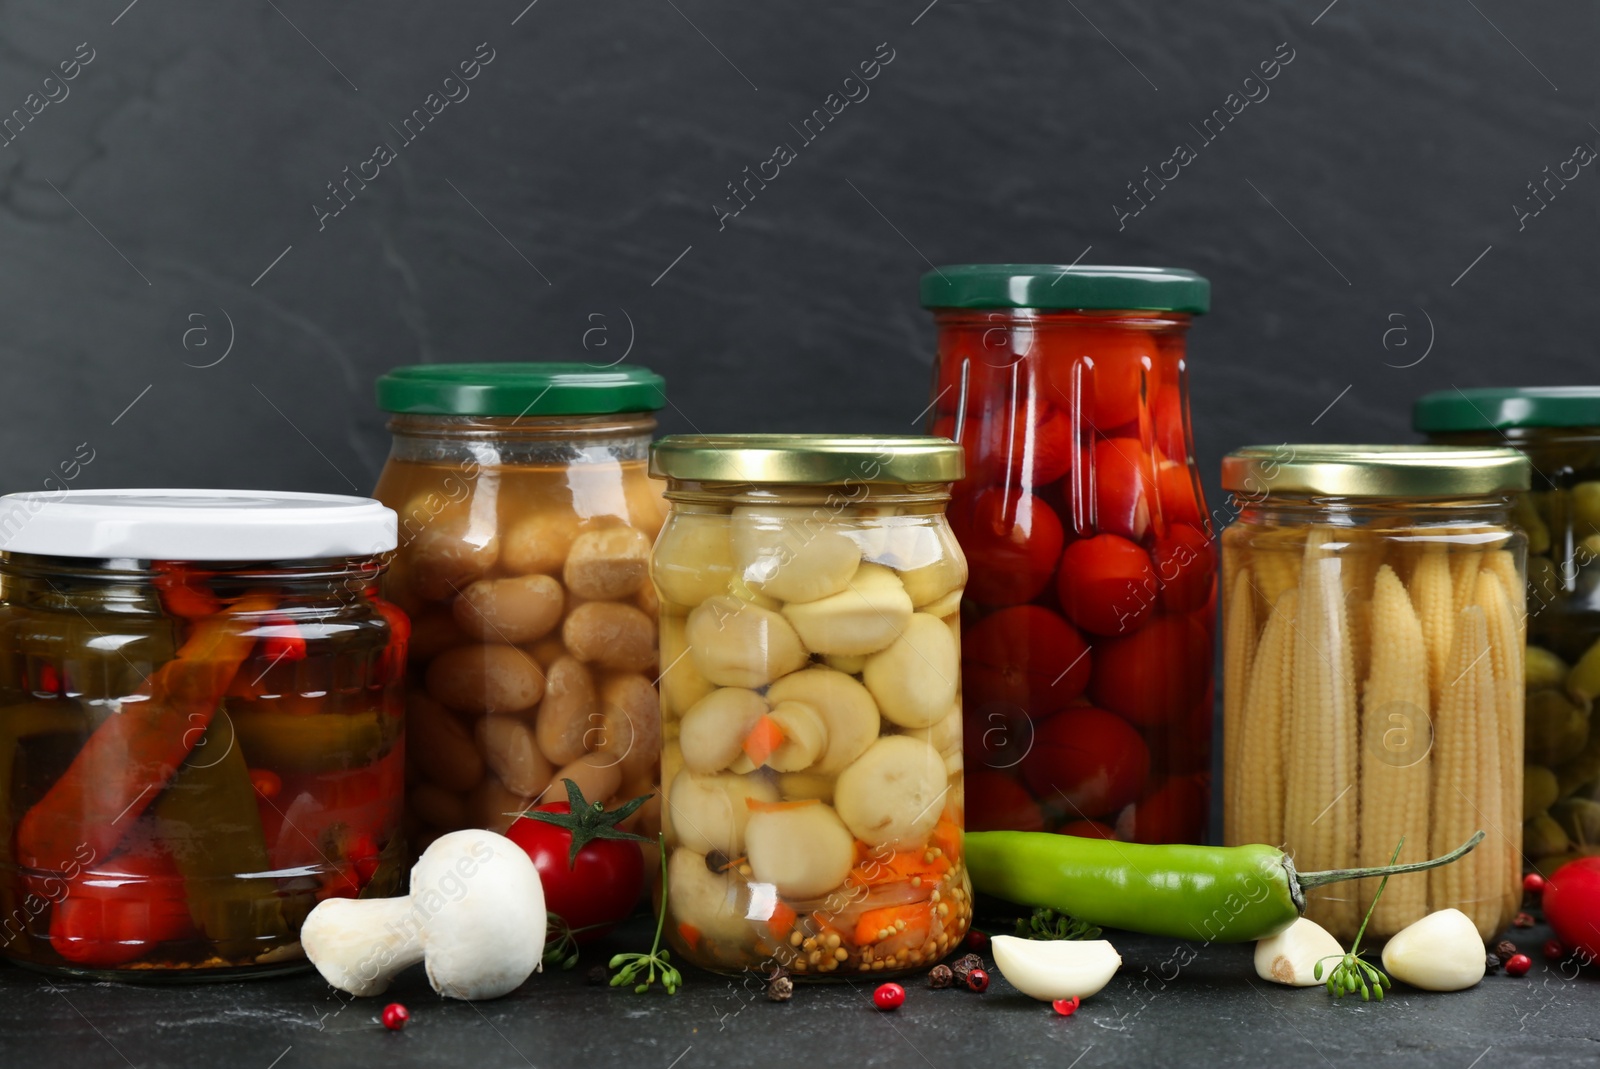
[
  {"x": 1373, "y": 691},
  {"x": 811, "y": 703},
  {"x": 523, "y": 561},
  {"x": 1561, "y": 517},
  {"x": 1089, "y": 615},
  {"x": 191, "y": 757}
]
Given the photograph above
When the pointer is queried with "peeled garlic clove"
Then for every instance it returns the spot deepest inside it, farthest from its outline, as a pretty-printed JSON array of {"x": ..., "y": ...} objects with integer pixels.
[
  {"x": 1291, "y": 956},
  {"x": 736, "y": 644},
  {"x": 863, "y": 618},
  {"x": 741, "y": 590},
  {"x": 846, "y": 708},
  {"x": 681, "y": 682},
  {"x": 893, "y": 794},
  {"x": 1051, "y": 969},
  {"x": 805, "y": 737},
  {"x": 914, "y": 680},
  {"x": 802, "y": 847},
  {"x": 1441, "y": 952},
  {"x": 792, "y": 554},
  {"x": 713, "y": 729}
]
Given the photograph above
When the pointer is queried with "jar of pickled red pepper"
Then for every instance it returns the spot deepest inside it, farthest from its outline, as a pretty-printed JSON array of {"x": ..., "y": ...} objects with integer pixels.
[
  {"x": 811, "y": 703},
  {"x": 526, "y": 519},
  {"x": 1089, "y": 615},
  {"x": 200, "y": 726},
  {"x": 1373, "y": 673},
  {"x": 1558, "y": 428}
]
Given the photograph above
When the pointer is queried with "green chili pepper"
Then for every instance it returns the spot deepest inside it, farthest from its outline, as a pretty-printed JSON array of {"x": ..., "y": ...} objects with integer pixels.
[
  {"x": 1218, "y": 894},
  {"x": 324, "y": 742}
]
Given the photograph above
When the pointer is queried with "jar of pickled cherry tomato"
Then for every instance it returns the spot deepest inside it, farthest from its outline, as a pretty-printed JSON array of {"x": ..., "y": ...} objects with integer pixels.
[
  {"x": 526, "y": 518},
  {"x": 1558, "y": 428},
  {"x": 811, "y": 700},
  {"x": 1372, "y": 672},
  {"x": 1088, "y": 616},
  {"x": 200, "y": 726}
]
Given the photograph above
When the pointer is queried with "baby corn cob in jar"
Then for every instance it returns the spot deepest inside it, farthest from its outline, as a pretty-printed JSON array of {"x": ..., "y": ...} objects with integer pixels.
[{"x": 1373, "y": 658}]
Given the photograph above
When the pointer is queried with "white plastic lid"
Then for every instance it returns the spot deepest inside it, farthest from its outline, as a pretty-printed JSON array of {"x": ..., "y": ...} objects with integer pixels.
[{"x": 192, "y": 525}]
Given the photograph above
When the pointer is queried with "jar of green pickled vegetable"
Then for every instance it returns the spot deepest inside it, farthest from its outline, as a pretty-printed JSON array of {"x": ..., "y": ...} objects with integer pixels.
[
  {"x": 200, "y": 726},
  {"x": 1372, "y": 672},
  {"x": 1558, "y": 428}
]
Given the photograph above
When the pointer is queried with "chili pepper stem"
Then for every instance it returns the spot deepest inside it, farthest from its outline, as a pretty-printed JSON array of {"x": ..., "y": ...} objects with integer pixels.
[{"x": 1318, "y": 879}]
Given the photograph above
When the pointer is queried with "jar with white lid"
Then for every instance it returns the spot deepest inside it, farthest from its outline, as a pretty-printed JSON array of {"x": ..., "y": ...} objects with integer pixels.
[{"x": 200, "y": 726}]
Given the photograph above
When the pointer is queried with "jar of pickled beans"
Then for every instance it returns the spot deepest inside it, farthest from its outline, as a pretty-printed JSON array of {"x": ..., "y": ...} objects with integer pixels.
[
  {"x": 1088, "y": 618},
  {"x": 1558, "y": 429},
  {"x": 200, "y": 727},
  {"x": 811, "y": 703},
  {"x": 526, "y": 519}
]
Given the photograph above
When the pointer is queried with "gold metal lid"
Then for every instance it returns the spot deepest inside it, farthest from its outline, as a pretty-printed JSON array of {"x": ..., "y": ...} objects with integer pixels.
[
  {"x": 806, "y": 459},
  {"x": 1403, "y": 471}
]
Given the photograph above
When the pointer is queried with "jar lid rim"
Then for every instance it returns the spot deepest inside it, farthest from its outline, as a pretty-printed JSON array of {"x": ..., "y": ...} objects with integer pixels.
[
  {"x": 1373, "y": 471},
  {"x": 1486, "y": 408},
  {"x": 548, "y": 388},
  {"x": 195, "y": 525},
  {"x": 807, "y": 459},
  {"x": 1067, "y": 286}
]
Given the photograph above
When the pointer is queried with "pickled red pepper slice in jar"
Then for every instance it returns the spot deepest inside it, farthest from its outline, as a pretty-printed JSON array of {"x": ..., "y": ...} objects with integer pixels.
[{"x": 1088, "y": 617}]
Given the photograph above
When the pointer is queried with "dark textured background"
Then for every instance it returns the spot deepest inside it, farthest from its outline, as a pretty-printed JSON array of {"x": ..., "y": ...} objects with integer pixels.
[{"x": 593, "y": 148}]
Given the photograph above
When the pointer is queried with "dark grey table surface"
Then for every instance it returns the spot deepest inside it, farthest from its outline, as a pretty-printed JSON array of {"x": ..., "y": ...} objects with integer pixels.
[{"x": 1171, "y": 1004}]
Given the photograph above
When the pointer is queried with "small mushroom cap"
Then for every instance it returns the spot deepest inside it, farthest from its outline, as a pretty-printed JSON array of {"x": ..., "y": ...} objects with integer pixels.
[{"x": 481, "y": 907}]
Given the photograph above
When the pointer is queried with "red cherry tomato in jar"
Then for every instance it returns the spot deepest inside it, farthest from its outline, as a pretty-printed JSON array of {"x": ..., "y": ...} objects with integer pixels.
[
  {"x": 1012, "y": 540},
  {"x": 996, "y": 802},
  {"x": 1087, "y": 829},
  {"x": 1025, "y": 655},
  {"x": 119, "y": 910},
  {"x": 1185, "y": 567},
  {"x": 1100, "y": 372},
  {"x": 1155, "y": 674},
  {"x": 1107, "y": 584},
  {"x": 1175, "y": 491},
  {"x": 995, "y": 734},
  {"x": 1572, "y": 906},
  {"x": 1123, "y": 477},
  {"x": 598, "y": 889},
  {"x": 1089, "y": 760},
  {"x": 1167, "y": 416},
  {"x": 1174, "y": 813},
  {"x": 1037, "y": 451}
]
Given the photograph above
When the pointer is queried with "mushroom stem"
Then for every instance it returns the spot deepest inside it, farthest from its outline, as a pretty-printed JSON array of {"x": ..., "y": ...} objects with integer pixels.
[{"x": 362, "y": 944}]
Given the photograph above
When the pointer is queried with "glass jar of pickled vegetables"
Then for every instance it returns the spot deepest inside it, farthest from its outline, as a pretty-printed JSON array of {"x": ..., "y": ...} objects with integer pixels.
[
  {"x": 526, "y": 518},
  {"x": 200, "y": 726},
  {"x": 1372, "y": 672},
  {"x": 1089, "y": 615},
  {"x": 1558, "y": 428},
  {"x": 811, "y": 702}
]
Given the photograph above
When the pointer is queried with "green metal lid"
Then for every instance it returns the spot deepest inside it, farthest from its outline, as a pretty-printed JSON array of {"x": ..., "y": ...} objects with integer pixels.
[
  {"x": 505, "y": 389},
  {"x": 806, "y": 459},
  {"x": 1134, "y": 289},
  {"x": 1501, "y": 408}
]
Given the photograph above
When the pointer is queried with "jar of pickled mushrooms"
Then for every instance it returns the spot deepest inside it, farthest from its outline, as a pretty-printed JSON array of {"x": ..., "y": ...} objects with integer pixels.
[
  {"x": 1558, "y": 427},
  {"x": 1373, "y": 673},
  {"x": 526, "y": 517},
  {"x": 810, "y": 591}
]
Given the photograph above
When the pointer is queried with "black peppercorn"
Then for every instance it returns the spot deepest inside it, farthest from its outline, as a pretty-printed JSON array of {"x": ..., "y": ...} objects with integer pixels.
[
  {"x": 963, "y": 966},
  {"x": 716, "y": 861},
  {"x": 780, "y": 989},
  {"x": 1491, "y": 963},
  {"x": 596, "y": 977},
  {"x": 1505, "y": 949},
  {"x": 941, "y": 976}
]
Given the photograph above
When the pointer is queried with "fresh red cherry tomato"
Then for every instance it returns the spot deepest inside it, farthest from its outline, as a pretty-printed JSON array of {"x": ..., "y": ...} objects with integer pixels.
[
  {"x": 1025, "y": 655},
  {"x": 1175, "y": 491},
  {"x": 1572, "y": 906},
  {"x": 1173, "y": 813},
  {"x": 1088, "y": 760},
  {"x": 121, "y": 909},
  {"x": 1103, "y": 373},
  {"x": 596, "y": 889},
  {"x": 1087, "y": 829},
  {"x": 996, "y": 802},
  {"x": 1106, "y": 584},
  {"x": 1156, "y": 674},
  {"x": 1185, "y": 567},
  {"x": 1123, "y": 478},
  {"x": 1012, "y": 540}
]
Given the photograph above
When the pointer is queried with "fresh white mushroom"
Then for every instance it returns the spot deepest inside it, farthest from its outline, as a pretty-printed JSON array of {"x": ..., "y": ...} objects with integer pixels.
[
  {"x": 893, "y": 794},
  {"x": 802, "y": 848},
  {"x": 737, "y": 644},
  {"x": 714, "y": 728},
  {"x": 914, "y": 680},
  {"x": 1441, "y": 952},
  {"x": 710, "y": 812},
  {"x": 863, "y": 618},
  {"x": 1051, "y": 969},
  {"x": 1291, "y": 956},
  {"x": 846, "y": 708},
  {"x": 792, "y": 554},
  {"x": 475, "y": 918}
]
